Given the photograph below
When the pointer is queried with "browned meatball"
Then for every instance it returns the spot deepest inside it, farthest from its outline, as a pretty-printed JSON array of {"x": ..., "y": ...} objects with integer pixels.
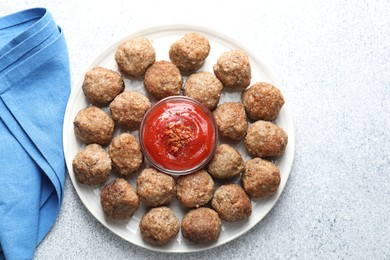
[
  {"x": 232, "y": 203},
  {"x": 231, "y": 120},
  {"x": 226, "y": 163},
  {"x": 204, "y": 87},
  {"x": 125, "y": 153},
  {"x": 129, "y": 108},
  {"x": 163, "y": 79},
  {"x": 92, "y": 165},
  {"x": 159, "y": 226},
  {"x": 93, "y": 125},
  {"x": 201, "y": 225},
  {"x": 119, "y": 200},
  {"x": 233, "y": 69},
  {"x": 102, "y": 85},
  {"x": 265, "y": 139},
  {"x": 189, "y": 52},
  {"x": 155, "y": 188},
  {"x": 262, "y": 101},
  {"x": 135, "y": 56},
  {"x": 261, "y": 178},
  {"x": 195, "y": 189}
]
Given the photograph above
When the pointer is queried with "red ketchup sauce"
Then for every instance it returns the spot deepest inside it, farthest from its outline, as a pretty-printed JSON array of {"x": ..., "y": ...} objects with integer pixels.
[{"x": 178, "y": 135}]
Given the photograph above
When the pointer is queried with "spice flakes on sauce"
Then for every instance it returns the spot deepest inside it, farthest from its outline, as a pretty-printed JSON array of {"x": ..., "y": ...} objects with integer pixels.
[{"x": 179, "y": 135}]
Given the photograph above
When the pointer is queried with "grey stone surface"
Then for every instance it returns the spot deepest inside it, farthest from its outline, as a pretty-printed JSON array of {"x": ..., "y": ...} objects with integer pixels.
[{"x": 331, "y": 59}]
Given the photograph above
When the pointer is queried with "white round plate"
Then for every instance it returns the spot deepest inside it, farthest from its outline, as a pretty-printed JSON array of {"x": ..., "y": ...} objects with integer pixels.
[{"x": 162, "y": 38}]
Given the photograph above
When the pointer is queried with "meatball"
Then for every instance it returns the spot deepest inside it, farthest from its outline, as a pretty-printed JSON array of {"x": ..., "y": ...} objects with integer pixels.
[
  {"x": 195, "y": 189},
  {"x": 119, "y": 200},
  {"x": 233, "y": 69},
  {"x": 102, "y": 85},
  {"x": 265, "y": 139},
  {"x": 189, "y": 52},
  {"x": 125, "y": 153},
  {"x": 261, "y": 178},
  {"x": 201, "y": 225},
  {"x": 232, "y": 203},
  {"x": 231, "y": 120},
  {"x": 93, "y": 125},
  {"x": 163, "y": 79},
  {"x": 135, "y": 56},
  {"x": 226, "y": 163},
  {"x": 92, "y": 165},
  {"x": 262, "y": 101},
  {"x": 159, "y": 226},
  {"x": 129, "y": 108},
  {"x": 204, "y": 87},
  {"x": 155, "y": 188}
]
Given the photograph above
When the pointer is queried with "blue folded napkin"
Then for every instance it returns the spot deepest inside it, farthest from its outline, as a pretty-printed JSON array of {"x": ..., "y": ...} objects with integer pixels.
[{"x": 34, "y": 89}]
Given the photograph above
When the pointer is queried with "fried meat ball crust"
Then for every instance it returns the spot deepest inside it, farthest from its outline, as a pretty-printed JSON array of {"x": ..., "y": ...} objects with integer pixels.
[
  {"x": 135, "y": 56},
  {"x": 119, "y": 200},
  {"x": 201, "y": 225},
  {"x": 125, "y": 153},
  {"x": 262, "y": 101},
  {"x": 233, "y": 69},
  {"x": 205, "y": 88},
  {"x": 163, "y": 79},
  {"x": 227, "y": 163},
  {"x": 232, "y": 203},
  {"x": 261, "y": 178},
  {"x": 102, "y": 85},
  {"x": 189, "y": 53},
  {"x": 265, "y": 139},
  {"x": 128, "y": 108},
  {"x": 231, "y": 120},
  {"x": 195, "y": 189},
  {"x": 155, "y": 188},
  {"x": 92, "y": 165},
  {"x": 93, "y": 125},
  {"x": 159, "y": 226}
]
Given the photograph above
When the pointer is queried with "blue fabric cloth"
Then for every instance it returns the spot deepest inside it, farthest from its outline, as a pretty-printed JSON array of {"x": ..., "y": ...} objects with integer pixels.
[{"x": 34, "y": 89}]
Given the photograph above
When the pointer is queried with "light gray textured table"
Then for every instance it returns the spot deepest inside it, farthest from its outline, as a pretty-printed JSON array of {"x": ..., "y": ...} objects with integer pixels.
[{"x": 332, "y": 59}]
